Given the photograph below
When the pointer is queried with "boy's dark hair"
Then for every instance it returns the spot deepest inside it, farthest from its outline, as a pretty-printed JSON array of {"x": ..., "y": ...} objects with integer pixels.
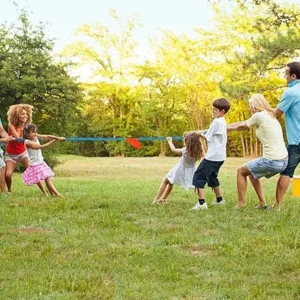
[
  {"x": 222, "y": 104},
  {"x": 28, "y": 129},
  {"x": 294, "y": 68}
]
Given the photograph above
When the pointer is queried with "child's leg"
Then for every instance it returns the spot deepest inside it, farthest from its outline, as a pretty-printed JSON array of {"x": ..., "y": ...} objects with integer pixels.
[
  {"x": 167, "y": 192},
  {"x": 161, "y": 189},
  {"x": 217, "y": 191},
  {"x": 51, "y": 188},
  {"x": 200, "y": 177},
  {"x": 40, "y": 185},
  {"x": 219, "y": 197},
  {"x": 214, "y": 183},
  {"x": 2, "y": 180},
  {"x": 199, "y": 181},
  {"x": 200, "y": 193}
]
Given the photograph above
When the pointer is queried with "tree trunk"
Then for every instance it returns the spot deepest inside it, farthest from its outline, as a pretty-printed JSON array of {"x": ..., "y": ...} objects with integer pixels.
[
  {"x": 162, "y": 148},
  {"x": 251, "y": 142},
  {"x": 247, "y": 147},
  {"x": 243, "y": 144}
]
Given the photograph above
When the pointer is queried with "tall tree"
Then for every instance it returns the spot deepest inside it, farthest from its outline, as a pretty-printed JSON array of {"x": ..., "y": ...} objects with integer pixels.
[
  {"x": 29, "y": 74},
  {"x": 111, "y": 100}
]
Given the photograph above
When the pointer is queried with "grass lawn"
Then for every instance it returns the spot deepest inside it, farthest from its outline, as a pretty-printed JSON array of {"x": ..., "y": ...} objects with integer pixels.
[{"x": 104, "y": 239}]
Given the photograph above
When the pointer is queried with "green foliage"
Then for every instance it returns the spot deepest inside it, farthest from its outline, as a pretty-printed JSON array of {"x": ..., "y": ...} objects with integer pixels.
[
  {"x": 172, "y": 93},
  {"x": 29, "y": 74}
]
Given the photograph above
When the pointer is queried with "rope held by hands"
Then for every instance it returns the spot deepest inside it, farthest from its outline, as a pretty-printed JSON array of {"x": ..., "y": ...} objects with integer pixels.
[
  {"x": 134, "y": 142},
  {"x": 109, "y": 139}
]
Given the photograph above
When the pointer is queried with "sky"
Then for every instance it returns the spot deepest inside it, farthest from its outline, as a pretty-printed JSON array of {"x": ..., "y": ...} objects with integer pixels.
[{"x": 64, "y": 16}]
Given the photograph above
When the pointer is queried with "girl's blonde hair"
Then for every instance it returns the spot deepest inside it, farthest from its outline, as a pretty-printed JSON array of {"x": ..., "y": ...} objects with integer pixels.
[
  {"x": 193, "y": 144},
  {"x": 15, "y": 111},
  {"x": 259, "y": 103}
]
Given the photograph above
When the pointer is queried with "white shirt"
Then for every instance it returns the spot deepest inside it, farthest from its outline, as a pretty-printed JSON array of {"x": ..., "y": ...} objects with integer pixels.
[
  {"x": 35, "y": 155},
  {"x": 216, "y": 137},
  {"x": 269, "y": 132}
]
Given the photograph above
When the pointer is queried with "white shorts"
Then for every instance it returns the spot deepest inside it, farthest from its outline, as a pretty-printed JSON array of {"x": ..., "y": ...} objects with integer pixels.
[{"x": 16, "y": 158}]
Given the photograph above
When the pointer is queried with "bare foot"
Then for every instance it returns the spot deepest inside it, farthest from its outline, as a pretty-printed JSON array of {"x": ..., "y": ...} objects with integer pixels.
[
  {"x": 159, "y": 201},
  {"x": 239, "y": 206},
  {"x": 275, "y": 208},
  {"x": 58, "y": 195}
]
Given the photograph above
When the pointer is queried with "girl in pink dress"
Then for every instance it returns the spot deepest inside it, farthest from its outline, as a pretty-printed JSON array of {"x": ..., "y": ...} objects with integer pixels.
[{"x": 38, "y": 171}]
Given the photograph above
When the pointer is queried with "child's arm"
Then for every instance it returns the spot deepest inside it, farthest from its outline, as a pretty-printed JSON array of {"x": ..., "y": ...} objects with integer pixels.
[
  {"x": 238, "y": 126},
  {"x": 33, "y": 145},
  {"x": 172, "y": 147},
  {"x": 52, "y": 137}
]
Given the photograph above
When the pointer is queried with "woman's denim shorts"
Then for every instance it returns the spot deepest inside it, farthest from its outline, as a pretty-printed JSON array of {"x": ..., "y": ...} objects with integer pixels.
[{"x": 264, "y": 167}]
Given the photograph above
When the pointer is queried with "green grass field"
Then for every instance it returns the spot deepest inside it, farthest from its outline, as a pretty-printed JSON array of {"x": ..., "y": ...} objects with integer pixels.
[{"x": 104, "y": 239}]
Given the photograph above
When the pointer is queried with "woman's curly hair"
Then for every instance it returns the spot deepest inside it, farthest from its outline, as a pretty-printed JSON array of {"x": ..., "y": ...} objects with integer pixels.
[
  {"x": 15, "y": 111},
  {"x": 193, "y": 144}
]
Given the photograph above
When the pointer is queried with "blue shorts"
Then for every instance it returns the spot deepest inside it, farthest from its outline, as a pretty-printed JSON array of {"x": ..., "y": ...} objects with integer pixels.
[
  {"x": 207, "y": 172},
  {"x": 294, "y": 159},
  {"x": 264, "y": 167}
]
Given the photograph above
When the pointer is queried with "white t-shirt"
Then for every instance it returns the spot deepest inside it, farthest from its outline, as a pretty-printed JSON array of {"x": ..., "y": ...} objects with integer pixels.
[
  {"x": 35, "y": 155},
  {"x": 269, "y": 132},
  {"x": 216, "y": 137}
]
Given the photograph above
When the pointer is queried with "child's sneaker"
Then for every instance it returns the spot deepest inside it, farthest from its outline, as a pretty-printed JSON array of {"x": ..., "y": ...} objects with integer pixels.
[
  {"x": 261, "y": 207},
  {"x": 199, "y": 206},
  {"x": 222, "y": 202}
]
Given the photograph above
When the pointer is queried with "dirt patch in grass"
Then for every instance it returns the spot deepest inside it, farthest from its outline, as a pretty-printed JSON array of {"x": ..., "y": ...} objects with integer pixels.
[{"x": 199, "y": 250}]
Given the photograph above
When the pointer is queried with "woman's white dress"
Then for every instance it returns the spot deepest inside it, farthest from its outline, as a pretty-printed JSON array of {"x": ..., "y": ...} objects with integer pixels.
[{"x": 182, "y": 173}]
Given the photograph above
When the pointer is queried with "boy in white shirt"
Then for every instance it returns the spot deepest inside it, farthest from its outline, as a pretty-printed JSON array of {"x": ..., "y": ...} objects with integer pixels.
[{"x": 207, "y": 172}]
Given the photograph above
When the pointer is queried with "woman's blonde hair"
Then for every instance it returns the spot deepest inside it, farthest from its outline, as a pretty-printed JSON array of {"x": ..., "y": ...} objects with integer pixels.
[
  {"x": 15, "y": 111},
  {"x": 259, "y": 103}
]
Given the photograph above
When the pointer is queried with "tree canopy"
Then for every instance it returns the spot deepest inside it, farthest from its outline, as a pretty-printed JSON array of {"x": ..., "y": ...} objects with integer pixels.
[
  {"x": 123, "y": 97},
  {"x": 29, "y": 74}
]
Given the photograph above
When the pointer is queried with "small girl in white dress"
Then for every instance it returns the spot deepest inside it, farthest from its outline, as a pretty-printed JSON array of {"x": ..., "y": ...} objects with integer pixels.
[
  {"x": 38, "y": 171},
  {"x": 182, "y": 173}
]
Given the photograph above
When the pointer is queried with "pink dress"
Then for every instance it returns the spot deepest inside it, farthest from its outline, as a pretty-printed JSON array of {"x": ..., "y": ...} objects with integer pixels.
[{"x": 38, "y": 169}]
